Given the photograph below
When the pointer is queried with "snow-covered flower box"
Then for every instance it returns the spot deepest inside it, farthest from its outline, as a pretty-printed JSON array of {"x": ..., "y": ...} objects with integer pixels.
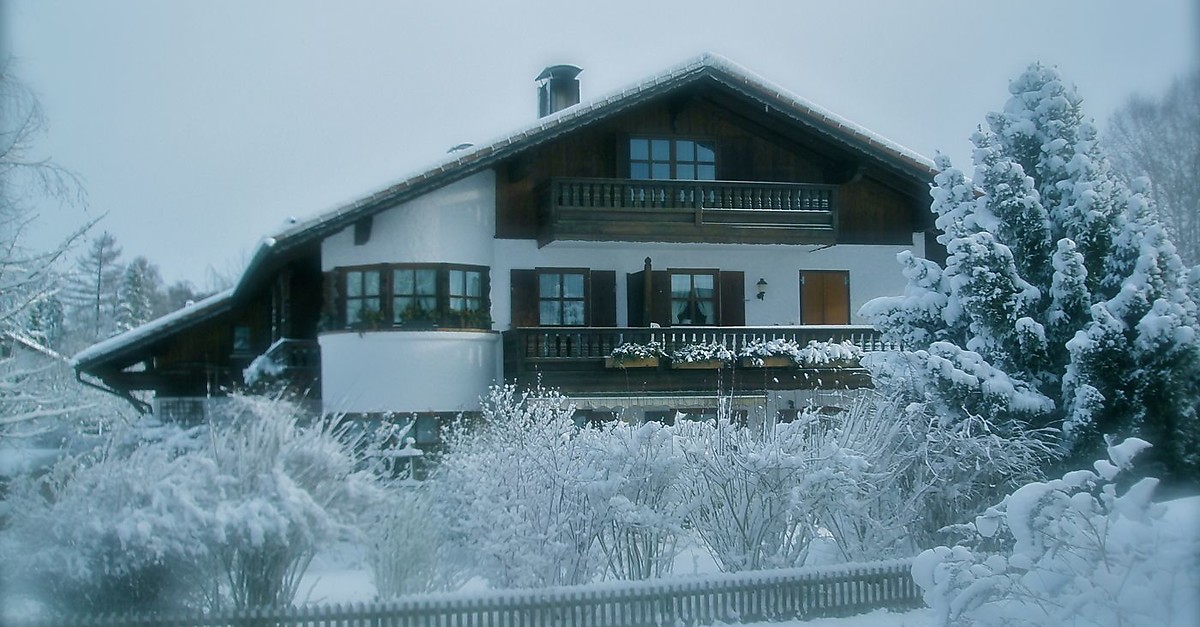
[
  {"x": 781, "y": 353},
  {"x": 709, "y": 355},
  {"x": 633, "y": 355}
]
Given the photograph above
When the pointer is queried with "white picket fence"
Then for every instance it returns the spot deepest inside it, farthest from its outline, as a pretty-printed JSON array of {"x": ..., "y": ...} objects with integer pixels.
[{"x": 787, "y": 594}]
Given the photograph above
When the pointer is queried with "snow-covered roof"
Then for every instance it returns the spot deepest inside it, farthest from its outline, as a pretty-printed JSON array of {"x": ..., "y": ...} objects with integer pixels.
[
  {"x": 190, "y": 314},
  {"x": 462, "y": 163}
]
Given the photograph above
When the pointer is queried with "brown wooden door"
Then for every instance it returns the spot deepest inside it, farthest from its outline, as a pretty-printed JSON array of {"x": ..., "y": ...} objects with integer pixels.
[{"x": 824, "y": 297}]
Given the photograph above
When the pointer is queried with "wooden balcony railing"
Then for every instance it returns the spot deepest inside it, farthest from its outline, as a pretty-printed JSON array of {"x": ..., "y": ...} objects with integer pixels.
[
  {"x": 595, "y": 343},
  {"x": 688, "y": 211}
]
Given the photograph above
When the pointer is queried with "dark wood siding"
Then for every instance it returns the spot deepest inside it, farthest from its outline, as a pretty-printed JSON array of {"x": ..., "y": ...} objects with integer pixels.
[{"x": 750, "y": 146}]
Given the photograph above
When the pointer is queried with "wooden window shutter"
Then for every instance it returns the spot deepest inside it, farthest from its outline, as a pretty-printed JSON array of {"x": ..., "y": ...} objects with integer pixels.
[
  {"x": 733, "y": 298},
  {"x": 635, "y": 285},
  {"x": 524, "y": 298},
  {"x": 603, "y": 298}
]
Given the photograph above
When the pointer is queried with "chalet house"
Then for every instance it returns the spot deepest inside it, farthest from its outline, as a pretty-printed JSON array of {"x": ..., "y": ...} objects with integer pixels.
[{"x": 702, "y": 205}]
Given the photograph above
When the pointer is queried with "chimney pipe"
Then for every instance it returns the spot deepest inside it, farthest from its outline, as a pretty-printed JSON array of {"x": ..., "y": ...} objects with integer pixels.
[{"x": 557, "y": 89}]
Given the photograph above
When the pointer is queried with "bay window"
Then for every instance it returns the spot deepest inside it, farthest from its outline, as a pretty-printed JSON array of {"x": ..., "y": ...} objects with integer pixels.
[{"x": 412, "y": 296}]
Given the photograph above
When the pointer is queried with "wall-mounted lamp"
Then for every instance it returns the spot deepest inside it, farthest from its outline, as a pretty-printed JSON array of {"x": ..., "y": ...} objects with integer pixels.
[{"x": 762, "y": 289}]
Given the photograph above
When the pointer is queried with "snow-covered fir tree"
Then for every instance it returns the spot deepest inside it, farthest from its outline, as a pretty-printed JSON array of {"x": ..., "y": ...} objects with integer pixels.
[
  {"x": 140, "y": 294},
  {"x": 1062, "y": 301}
]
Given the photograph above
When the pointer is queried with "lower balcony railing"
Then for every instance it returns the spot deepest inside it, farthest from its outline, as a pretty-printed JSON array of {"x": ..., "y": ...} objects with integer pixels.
[{"x": 588, "y": 343}]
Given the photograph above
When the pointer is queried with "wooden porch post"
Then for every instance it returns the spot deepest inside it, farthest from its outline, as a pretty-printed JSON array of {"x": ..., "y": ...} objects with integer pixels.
[{"x": 647, "y": 292}]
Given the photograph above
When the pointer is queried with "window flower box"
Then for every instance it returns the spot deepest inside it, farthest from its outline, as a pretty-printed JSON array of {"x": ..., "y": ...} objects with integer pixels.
[
  {"x": 706, "y": 356},
  {"x": 631, "y": 362},
  {"x": 703, "y": 364},
  {"x": 769, "y": 361},
  {"x": 632, "y": 355}
]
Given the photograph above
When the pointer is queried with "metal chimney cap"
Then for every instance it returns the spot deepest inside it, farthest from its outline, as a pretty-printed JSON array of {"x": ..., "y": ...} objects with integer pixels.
[{"x": 559, "y": 72}]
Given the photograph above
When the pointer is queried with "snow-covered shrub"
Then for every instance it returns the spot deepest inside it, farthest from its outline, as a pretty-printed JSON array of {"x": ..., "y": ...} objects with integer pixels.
[
  {"x": 407, "y": 548},
  {"x": 704, "y": 351},
  {"x": 230, "y": 512},
  {"x": 762, "y": 493},
  {"x": 641, "y": 495},
  {"x": 513, "y": 485},
  {"x": 1069, "y": 552}
]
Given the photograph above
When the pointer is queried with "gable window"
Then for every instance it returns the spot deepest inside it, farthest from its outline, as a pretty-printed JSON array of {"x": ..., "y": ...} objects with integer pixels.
[
  {"x": 824, "y": 297},
  {"x": 363, "y": 300},
  {"x": 694, "y": 298},
  {"x": 415, "y": 296},
  {"x": 666, "y": 159},
  {"x": 561, "y": 299}
]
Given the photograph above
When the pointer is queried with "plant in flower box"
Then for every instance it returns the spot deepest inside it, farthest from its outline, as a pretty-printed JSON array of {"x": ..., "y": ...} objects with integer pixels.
[
  {"x": 777, "y": 353},
  {"x": 702, "y": 355},
  {"x": 829, "y": 354},
  {"x": 634, "y": 355}
]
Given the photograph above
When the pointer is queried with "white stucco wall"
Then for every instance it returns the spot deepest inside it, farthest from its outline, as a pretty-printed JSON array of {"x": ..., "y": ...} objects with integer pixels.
[
  {"x": 873, "y": 270},
  {"x": 411, "y": 371},
  {"x": 454, "y": 224},
  {"x": 407, "y": 371}
]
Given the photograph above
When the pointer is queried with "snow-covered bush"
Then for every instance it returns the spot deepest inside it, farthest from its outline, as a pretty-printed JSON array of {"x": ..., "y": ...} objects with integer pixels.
[
  {"x": 406, "y": 543},
  {"x": 230, "y": 512},
  {"x": 1062, "y": 300},
  {"x": 762, "y": 493},
  {"x": 512, "y": 484},
  {"x": 641, "y": 494},
  {"x": 704, "y": 351},
  {"x": 1069, "y": 552}
]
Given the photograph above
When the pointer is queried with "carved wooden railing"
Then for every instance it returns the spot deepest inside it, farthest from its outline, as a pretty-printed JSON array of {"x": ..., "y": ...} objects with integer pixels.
[
  {"x": 744, "y": 196},
  {"x": 584, "y": 343}
]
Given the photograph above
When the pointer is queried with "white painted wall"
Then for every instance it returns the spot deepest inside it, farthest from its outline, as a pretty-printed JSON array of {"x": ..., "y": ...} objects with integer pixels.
[
  {"x": 454, "y": 224},
  {"x": 415, "y": 371},
  {"x": 407, "y": 371},
  {"x": 873, "y": 270}
]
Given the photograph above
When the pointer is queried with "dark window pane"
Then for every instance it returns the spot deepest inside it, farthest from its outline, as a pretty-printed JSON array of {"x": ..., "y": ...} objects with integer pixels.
[
  {"x": 705, "y": 153},
  {"x": 548, "y": 286},
  {"x": 660, "y": 149},
  {"x": 572, "y": 286},
  {"x": 639, "y": 170},
  {"x": 371, "y": 283},
  {"x": 353, "y": 284},
  {"x": 706, "y": 173},
  {"x": 685, "y": 150},
  {"x": 426, "y": 282},
  {"x": 639, "y": 149},
  {"x": 549, "y": 313},
  {"x": 474, "y": 284},
  {"x": 661, "y": 171},
  {"x": 681, "y": 285},
  {"x": 572, "y": 313},
  {"x": 402, "y": 282},
  {"x": 685, "y": 172}
]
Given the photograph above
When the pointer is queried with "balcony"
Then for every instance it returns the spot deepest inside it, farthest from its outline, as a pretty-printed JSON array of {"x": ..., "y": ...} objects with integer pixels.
[
  {"x": 573, "y": 359},
  {"x": 688, "y": 211}
]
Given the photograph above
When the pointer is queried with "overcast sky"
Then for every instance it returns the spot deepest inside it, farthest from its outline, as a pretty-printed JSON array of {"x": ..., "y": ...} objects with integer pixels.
[{"x": 200, "y": 126}]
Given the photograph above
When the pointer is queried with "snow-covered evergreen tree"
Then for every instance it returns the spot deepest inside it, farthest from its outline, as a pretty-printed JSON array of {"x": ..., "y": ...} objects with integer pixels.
[
  {"x": 140, "y": 294},
  {"x": 1062, "y": 301}
]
